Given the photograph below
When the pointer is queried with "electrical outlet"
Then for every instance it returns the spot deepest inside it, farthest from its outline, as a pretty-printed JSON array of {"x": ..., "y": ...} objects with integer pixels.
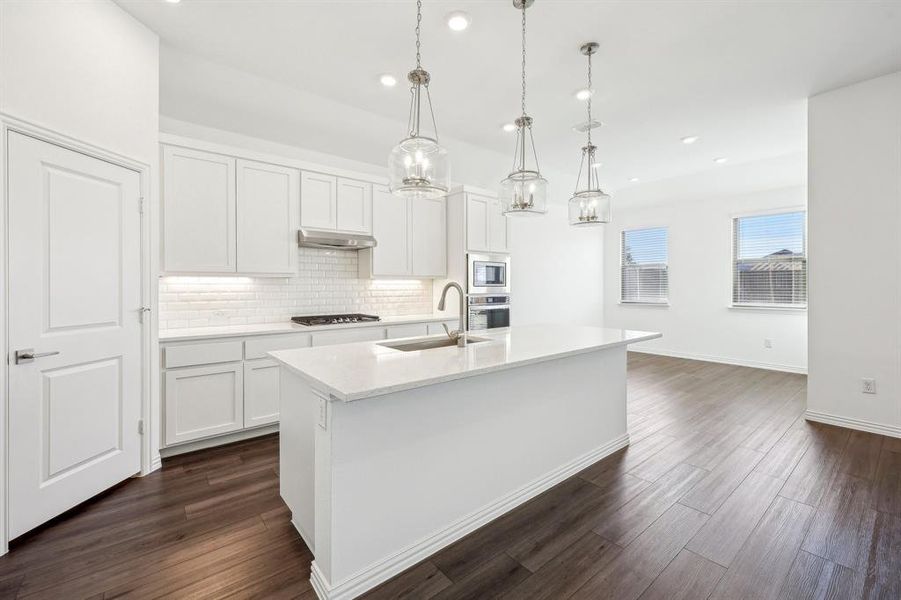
[
  {"x": 767, "y": 343},
  {"x": 868, "y": 386}
]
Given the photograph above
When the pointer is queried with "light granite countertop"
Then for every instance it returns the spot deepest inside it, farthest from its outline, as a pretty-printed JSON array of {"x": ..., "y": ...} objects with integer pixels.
[
  {"x": 366, "y": 369},
  {"x": 200, "y": 333}
]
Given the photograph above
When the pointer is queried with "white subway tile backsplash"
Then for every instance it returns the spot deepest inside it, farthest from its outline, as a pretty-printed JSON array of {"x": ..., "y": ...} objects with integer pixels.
[{"x": 326, "y": 282}]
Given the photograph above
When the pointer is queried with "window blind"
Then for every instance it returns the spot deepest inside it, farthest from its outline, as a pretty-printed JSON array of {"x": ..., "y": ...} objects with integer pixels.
[
  {"x": 645, "y": 277},
  {"x": 769, "y": 260}
]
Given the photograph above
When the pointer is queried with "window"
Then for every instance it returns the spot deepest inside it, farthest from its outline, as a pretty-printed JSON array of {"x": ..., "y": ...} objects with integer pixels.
[
  {"x": 769, "y": 260},
  {"x": 645, "y": 279}
]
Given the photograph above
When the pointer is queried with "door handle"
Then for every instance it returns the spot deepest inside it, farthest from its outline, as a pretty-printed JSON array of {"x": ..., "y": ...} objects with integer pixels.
[{"x": 28, "y": 355}]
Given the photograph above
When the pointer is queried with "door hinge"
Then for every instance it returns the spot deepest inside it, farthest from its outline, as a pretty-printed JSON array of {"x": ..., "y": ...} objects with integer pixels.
[
  {"x": 140, "y": 426},
  {"x": 141, "y": 205}
]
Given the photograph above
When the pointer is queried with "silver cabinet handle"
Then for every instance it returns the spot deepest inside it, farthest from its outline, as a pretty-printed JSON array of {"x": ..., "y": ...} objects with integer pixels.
[{"x": 28, "y": 355}]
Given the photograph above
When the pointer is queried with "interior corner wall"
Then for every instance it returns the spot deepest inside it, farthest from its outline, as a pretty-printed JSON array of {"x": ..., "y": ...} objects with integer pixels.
[
  {"x": 854, "y": 176},
  {"x": 699, "y": 322}
]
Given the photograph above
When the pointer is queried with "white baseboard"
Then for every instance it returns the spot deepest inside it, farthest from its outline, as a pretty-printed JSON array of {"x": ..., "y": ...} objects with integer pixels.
[
  {"x": 387, "y": 568},
  {"x": 219, "y": 440},
  {"x": 861, "y": 425},
  {"x": 156, "y": 463},
  {"x": 723, "y": 360}
]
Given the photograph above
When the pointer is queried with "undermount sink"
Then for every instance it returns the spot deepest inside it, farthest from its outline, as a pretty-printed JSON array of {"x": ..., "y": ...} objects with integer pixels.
[{"x": 428, "y": 343}]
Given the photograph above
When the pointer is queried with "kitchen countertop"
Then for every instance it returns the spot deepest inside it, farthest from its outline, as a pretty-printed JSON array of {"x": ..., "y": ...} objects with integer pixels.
[
  {"x": 199, "y": 333},
  {"x": 366, "y": 369}
]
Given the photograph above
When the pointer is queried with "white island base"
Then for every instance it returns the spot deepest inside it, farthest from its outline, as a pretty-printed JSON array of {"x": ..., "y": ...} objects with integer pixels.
[{"x": 378, "y": 480}]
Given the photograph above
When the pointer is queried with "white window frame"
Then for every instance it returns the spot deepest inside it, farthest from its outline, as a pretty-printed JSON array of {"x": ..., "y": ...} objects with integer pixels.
[
  {"x": 662, "y": 304},
  {"x": 751, "y": 306}
]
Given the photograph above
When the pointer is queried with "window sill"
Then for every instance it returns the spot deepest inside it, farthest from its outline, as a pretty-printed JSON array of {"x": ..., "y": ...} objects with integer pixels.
[
  {"x": 645, "y": 304},
  {"x": 787, "y": 308}
]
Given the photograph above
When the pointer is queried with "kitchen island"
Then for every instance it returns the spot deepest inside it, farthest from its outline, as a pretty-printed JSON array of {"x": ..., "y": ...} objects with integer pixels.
[{"x": 389, "y": 452}]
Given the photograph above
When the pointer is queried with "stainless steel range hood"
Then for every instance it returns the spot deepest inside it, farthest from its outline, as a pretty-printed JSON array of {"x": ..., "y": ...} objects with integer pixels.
[{"x": 308, "y": 238}]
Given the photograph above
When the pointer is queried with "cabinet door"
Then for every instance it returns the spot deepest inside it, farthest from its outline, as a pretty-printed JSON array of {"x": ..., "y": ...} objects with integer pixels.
[
  {"x": 436, "y": 328},
  {"x": 428, "y": 220},
  {"x": 498, "y": 228},
  {"x": 268, "y": 202},
  {"x": 354, "y": 206},
  {"x": 261, "y": 392},
  {"x": 390, "y": 228},
  {"x": 203, "y": 401},
  {"x": 477, "y": 208},
  {"x": 318, "y": 200},
  {"x": 198, "y": 212}
]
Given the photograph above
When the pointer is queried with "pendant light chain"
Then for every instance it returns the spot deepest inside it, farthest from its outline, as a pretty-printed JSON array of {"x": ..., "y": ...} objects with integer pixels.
[
  {"x": 418, "y": 25},
  {"x": 590, "y": 94},
  {"x": 523, "y": 59}
]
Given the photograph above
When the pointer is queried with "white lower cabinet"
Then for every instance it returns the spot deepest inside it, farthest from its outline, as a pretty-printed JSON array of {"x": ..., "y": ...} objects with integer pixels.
[
  {"x": 436, "y": 328},
  {"x": 204, "y": 401},
  {"x": 260, "y": 392},
  {"x": 412, "y": 330},
  {"x": 346, "y": 336}
]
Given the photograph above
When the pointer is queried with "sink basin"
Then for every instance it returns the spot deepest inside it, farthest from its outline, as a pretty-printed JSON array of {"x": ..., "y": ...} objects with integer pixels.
[{"x": 428, "y": 343}]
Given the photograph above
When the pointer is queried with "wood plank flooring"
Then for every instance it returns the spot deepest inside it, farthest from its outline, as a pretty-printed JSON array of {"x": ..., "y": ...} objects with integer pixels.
[{"x": 725, "y": 492}]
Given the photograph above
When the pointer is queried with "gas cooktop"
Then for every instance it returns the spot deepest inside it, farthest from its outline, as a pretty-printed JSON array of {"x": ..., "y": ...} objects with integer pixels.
[{"x": 334, "y": 319}]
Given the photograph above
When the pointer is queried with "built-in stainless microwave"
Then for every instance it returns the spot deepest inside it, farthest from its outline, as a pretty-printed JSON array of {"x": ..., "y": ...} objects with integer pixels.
[
  {"x": 488, "y": 312},
  {"x": 488, "y": 274}
]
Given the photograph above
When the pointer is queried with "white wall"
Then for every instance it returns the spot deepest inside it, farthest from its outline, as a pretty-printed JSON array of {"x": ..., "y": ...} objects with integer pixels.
[
  {"x": 855, "y": 254},
  {"x": 699, "y": 323},
  {"x": 557, "y": 270},
  {"x": 85, "y": 69}
]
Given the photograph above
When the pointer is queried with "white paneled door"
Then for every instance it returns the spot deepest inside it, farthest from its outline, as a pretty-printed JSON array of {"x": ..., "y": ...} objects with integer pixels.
[{"x": 74, "y": 235}]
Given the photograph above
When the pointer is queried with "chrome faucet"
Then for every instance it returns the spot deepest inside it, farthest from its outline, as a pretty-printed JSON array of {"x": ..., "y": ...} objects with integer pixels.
[{"x": 457, "y": 335}]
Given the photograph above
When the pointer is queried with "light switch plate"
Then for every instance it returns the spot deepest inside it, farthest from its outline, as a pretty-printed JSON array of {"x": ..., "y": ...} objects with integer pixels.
[{"x": 868, "y": 386}]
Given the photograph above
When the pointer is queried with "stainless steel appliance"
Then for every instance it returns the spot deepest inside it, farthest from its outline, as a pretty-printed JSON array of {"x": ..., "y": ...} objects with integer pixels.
[
  {"x": 488, "y": 274},
  {"x": 334, "y": 319},
  {"x": 310, "y": 238},
  {"x": 488, "y": 312}
]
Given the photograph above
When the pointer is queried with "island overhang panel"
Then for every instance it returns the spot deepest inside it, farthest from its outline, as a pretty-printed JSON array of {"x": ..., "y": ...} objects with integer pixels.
[{"x": 376, "y": 485}]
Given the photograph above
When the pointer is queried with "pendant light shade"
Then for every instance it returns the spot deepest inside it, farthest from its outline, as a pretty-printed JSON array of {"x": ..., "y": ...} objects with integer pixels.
[
  {"x": 418, "y": 167},
  {"x": 524, "y": 191},
  {"x": 589, "y": 204}
]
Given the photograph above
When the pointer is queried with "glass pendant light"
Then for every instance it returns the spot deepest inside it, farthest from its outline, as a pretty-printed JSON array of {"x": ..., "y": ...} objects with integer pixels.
[
  {"x": 418, "y": 166},
  {"x": 524, "y": 191},
  {"x": 589, "y": 204}
]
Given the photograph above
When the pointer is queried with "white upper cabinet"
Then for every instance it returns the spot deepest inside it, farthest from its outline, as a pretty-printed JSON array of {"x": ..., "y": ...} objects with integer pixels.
[
  {"x": 335, "y": 203},
  {"x": 198, "y": 212},
  {"x": 428, "y": 225},
  {"x": 477, "y": 210},
  {"x": 411, "y": 237},
  {"x": 487, "y": 229},
  {"x": 267, "y": 207},
  {"x": 498, "y": 228},
  {"x": 319, "y": 201},
  {"x": 354, "y": 206},
  {"x": 390, "y": 227}
]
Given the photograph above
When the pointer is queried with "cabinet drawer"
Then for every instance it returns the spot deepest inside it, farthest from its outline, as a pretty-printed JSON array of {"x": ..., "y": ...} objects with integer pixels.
[
  {"x": 258, "y": 347},
  {"x": 346, "y": 336},
  {"x": 436, "y": 328},
  {"x": 209, "y": 353},
  {"x": 412, "y": 330}
]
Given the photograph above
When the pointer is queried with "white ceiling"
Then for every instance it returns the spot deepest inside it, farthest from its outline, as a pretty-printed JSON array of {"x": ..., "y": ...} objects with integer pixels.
[{"x": 735, "y": 73}]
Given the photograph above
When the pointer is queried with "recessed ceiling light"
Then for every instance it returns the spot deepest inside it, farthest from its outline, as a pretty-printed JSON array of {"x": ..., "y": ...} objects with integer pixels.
[
  {"x": 388, "y": 80},
  {"x": 720, "y": 160},
  {"x": 173, "y": 1},
  {"x": 584, "y": 94},
  {"x": 509, "y": 127},
  {"x": 458, "y": 20},
  {"x": 634, "y": 180},
  {"x": 690, "y": 139}
]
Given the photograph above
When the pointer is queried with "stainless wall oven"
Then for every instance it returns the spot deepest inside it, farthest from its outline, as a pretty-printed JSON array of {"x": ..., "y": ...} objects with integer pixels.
[
  {"x": 488, "y": 312},
  {"x": 488, "y": 274}
]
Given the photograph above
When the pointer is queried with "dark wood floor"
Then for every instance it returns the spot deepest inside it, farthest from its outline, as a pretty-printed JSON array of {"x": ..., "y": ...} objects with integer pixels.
[{"x": 725, "y": 492}]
